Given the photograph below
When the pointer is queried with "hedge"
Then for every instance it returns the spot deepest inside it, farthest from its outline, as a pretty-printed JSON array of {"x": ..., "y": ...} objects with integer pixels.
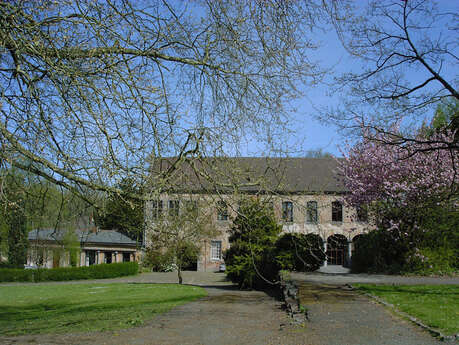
[{"x": 69, "y": 273}]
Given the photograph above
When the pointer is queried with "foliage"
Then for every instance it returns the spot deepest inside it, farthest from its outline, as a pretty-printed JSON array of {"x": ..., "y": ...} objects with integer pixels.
[
  {"x": 158, "y": 260},
  {"x": 123, "y": 214},
  {"x": 177, "y": 235},
  {"x": 428, "y": 261},
  {"x": 12, "y": 211},
  {"x": 28, "y": 202},
  {"x": 6, "y": 264},
  {"x": 434, "y": 305},
  {"x": 446, "y": 115},
  {"x": 411, "y": 192},
  {"x": 250, "y": 260},
  {"x": 399, "y": 250},
  {"x": 164, "y": 260},
  {"x": 70, "y": 273},
  {"x": 378, "y": 251},
  {"x": 73, "y": 308},
  {"x": 52, "y": 207},
  {"x": 3, "y": 235},
  {"x": 299, "y": 252},
  {"x": 400, "y": 175}
]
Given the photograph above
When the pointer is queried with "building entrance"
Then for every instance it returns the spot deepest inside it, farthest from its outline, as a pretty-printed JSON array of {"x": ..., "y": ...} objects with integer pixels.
[{"x": 336, "y": 250}]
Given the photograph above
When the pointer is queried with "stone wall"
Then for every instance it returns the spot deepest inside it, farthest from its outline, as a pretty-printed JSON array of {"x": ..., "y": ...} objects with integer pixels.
[{"x": 324, "y": 227}]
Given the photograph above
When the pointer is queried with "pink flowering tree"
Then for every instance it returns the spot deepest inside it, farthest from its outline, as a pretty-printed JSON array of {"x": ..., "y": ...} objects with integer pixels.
[
  {"x": 381, "y": 170},
  {"x": 404, "y": 183},
  {"x": 410, "y": 188}
]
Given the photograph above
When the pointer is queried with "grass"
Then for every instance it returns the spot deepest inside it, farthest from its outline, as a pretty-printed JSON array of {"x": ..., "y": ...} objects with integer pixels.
[
  {"x": 68, "y": 308},
  {"x": 435, "y": 305}
]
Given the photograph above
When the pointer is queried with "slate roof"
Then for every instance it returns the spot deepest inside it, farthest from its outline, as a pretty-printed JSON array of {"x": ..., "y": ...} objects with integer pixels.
[
  {"x": 84, "y": 236},
  {"x": 251, "y": 174}
]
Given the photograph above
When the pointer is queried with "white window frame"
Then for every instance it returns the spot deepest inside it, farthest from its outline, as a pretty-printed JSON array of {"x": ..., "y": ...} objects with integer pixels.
[
  {"x": 215, "y": 250},
  {"x": 157, "y": 209}
]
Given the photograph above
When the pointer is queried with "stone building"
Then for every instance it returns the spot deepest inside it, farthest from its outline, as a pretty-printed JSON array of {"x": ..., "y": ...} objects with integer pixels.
[
  {"x": 305, "y": 194},
  {"x": 50, "y": 248}
]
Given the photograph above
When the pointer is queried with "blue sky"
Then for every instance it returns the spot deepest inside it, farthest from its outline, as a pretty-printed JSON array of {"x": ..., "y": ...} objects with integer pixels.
[{"x": 313, "y": 134}]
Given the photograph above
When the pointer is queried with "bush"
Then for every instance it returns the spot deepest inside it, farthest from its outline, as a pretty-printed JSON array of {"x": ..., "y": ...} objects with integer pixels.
[
  {"x": 432, "y": 229},
  {"x": 70, "y": 273},
  {"x": 15, "y": 275},
  {"x": 158, "y": 260},
  {"x": 300, "y": 252},
  {"x": 5, "y": 264},
  {"x": 428, "y": 261},
  {"x": 378, "y": 251},
  {"x": 165, "y": 261},
  {"x": 250, "y": 261}
]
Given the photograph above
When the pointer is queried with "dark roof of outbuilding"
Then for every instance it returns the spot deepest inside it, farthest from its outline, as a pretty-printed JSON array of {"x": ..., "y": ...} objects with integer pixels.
[
  {"x": 251, "y": 174},
  {"x": 84, "y": 236}
]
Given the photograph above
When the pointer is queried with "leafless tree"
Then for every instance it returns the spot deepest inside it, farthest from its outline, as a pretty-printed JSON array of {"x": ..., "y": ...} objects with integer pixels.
[
  {"x": 181, "y": 229},
  {"x": 91, "y": 90},
  {"x": 409, "y": 51}
]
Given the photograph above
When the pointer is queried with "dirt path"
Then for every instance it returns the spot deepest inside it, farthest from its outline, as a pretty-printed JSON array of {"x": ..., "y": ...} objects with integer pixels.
[
  {"x": 338, "y": 316},
  {"x": 230, "y": 316},
  {"x": 225, "y": 316}
]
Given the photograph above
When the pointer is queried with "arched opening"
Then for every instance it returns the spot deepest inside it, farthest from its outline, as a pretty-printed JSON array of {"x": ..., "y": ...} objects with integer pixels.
[
  {"x": 337, "y": 250},
  {"x": 356, "y": 242}
]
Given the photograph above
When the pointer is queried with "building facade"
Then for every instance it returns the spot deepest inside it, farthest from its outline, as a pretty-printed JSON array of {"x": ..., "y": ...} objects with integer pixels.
[
  {"x": 305, "y": 194},
  {"x": 50, "y": 248}
]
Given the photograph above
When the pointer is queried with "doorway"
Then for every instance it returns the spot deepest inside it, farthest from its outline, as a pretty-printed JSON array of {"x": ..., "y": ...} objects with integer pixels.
[{"x": 336, "y": 250}]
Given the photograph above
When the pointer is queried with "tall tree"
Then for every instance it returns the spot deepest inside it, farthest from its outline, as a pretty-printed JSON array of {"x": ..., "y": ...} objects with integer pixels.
[
  {"x": 250, "y": 260},
  {"x": 13, "y": 211},
  {"x": 407, "y": 52},
  {"x": 401, "y": 183},
  {"x": 179, "y": 232},
  {"x": 123, "y": 214},
  {"x": 90, "y": 91}
]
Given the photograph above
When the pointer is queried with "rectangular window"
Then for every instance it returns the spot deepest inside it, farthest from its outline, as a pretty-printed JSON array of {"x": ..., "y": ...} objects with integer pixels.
[
  {"x": 216, "y": 250},
  {"x": 311, "y": 212},
  {"x": 108, "y": 257},
  {"x": 126, "y": 257},
  {"x": 222, "y": 210},
  {"x": 157, "y": 209},
  {"x": 287, "y": 211},
  {"x": 337, "y": 211},
  {"x": 90, "y": 257},
  {"x": 174, "y": 208}
]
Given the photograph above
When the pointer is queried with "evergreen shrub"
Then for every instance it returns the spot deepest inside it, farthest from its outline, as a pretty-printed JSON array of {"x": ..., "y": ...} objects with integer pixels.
[
  {"x": 300, "y": 252},
  {"x": 250, "y": 260},
  {"x": 378, "y": 251}
]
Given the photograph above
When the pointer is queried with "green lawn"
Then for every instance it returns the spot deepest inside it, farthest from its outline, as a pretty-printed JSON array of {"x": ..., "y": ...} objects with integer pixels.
[
  {"x": 435, "y": 305},
  {"x": 86, "y": 307}
]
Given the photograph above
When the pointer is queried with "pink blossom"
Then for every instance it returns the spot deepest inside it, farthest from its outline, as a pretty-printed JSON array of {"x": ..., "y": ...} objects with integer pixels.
[{"x": 403, "y": 176}]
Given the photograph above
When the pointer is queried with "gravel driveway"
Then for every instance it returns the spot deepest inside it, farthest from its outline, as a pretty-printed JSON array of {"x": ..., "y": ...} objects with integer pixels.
[
  {"x": 341, "y": 316},
  {"x": 225, "y": 316},
  {"x": 230, "y": 316}
]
